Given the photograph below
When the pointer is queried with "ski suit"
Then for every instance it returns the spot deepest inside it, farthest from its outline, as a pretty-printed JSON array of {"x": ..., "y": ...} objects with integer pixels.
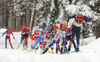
[
  {"x": 41, "y": 37},
  {"x": 24, "y": 35},
  {"x": 47, "y": 40},
  {"x": 77, "y": 27},
  {"x": 69, "y": 37},
  {"x": 60, "y": 34},
  {"x": 8, "y": 32},
  {"x": 34, "y": 36},
  {"x": 53, "y": 32}
]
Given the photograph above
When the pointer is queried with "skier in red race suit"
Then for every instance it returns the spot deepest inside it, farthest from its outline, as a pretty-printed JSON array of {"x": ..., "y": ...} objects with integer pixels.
[
  {"x": 47, "y": 41},
  {"x": 63, "y": 28},
  {"x": 41, "y": 37},
  {"x": 8, "y": 32},
  {"x": 34, "y": 36},
  {"x": 25, "y": 34}
]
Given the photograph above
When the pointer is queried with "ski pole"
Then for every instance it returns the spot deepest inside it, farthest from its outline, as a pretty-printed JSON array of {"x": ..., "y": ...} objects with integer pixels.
[
  {"x": 18, "y": 45},
  {"x": 84, "y": 33}
]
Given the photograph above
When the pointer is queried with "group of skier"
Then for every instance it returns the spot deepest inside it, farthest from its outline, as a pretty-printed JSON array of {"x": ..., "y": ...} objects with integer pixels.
[{"x": 58, "y": 34}]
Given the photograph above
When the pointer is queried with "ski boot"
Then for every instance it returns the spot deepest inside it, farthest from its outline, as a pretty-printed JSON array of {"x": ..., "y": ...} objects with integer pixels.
[
  {"x": 12, "y": 47},
  {"x": 45, "y": 50},
  {"x": 5, "y": 46},
  {"x": 36, "y": 49},
  {"x": 61, "y": 51},
  {"x": 24, "y": 48},
  {"x": 69, "y": 48},
  {"x": 77, "y": 50},
  {"x": 52, "y": 51},
  {"x": 56, "y": 50},
  {"x": 65, "y": 49}
]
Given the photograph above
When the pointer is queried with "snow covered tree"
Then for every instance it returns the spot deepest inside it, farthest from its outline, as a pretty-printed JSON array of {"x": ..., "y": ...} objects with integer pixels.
[{"x": 31, "y": 12}]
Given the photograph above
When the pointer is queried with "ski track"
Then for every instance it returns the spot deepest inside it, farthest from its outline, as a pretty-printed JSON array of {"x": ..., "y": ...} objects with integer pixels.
[{"x": 88, "y": 53}]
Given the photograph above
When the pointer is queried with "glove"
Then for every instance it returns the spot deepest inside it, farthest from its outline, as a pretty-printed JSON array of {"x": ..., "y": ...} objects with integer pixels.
[
  {"x": 13, "y": 37},
  {"x": 21, "y": 35}
]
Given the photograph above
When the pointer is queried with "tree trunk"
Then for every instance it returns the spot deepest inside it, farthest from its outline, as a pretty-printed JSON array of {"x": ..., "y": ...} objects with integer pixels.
[
  {"x": 33, "y": 12},
  {"x": 98, "y": 31},
  {"x": 27, "y": 16},
  {"x": 4, "y": 12}
]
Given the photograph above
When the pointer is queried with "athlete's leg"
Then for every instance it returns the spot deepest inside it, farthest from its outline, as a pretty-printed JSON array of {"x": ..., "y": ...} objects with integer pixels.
[
  {"x": 78, "y": 37},
  {"x": 6, "y": 41},
  {"x": 38, "y": 41},
  {"x": 27, "y": 41},
  {"x": 10, "y": 42}
]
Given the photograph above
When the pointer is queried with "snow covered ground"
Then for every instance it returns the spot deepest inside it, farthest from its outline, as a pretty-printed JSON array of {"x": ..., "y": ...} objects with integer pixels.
[{"x": 90, "y": 52}]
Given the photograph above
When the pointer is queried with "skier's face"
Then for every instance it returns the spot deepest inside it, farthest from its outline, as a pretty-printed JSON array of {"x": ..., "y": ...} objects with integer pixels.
[
  {"x": 36, "y": 30},
  {"x": 80, "y": 12},
  {"x": 48, "y": 34},
  {"x": 8, "y": 29},
  {"x": 64, "y": 24},
  {"x": 26, "y": 27},
  {"x": 57, "y": 24},
  {"x": 45, "y": 28}
]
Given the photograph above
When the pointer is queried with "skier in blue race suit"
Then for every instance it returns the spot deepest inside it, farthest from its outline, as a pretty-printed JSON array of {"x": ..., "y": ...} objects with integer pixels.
[
  {"x": 76, "y": 27},
  {"x": 42, "y": 35}
]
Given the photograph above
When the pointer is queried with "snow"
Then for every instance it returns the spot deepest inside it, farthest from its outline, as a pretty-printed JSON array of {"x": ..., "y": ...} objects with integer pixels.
[
  {"x": 61, "y": 12},
  {"x": 72, "y": 9},
  {"x": 92, "y": 2},
  {"x": 79, "y": 3},
  {"x": 40, "y": 5},
  {"x": 87, "y": 11},
  {"x": 2, "y": 30},
  {"x": 90, "y": 52},
  {"x": 52, "y": 5}
]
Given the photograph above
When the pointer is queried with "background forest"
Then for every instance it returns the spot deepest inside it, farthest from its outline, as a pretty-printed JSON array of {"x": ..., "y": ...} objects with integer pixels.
[{"x": 16, "y": 13}]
